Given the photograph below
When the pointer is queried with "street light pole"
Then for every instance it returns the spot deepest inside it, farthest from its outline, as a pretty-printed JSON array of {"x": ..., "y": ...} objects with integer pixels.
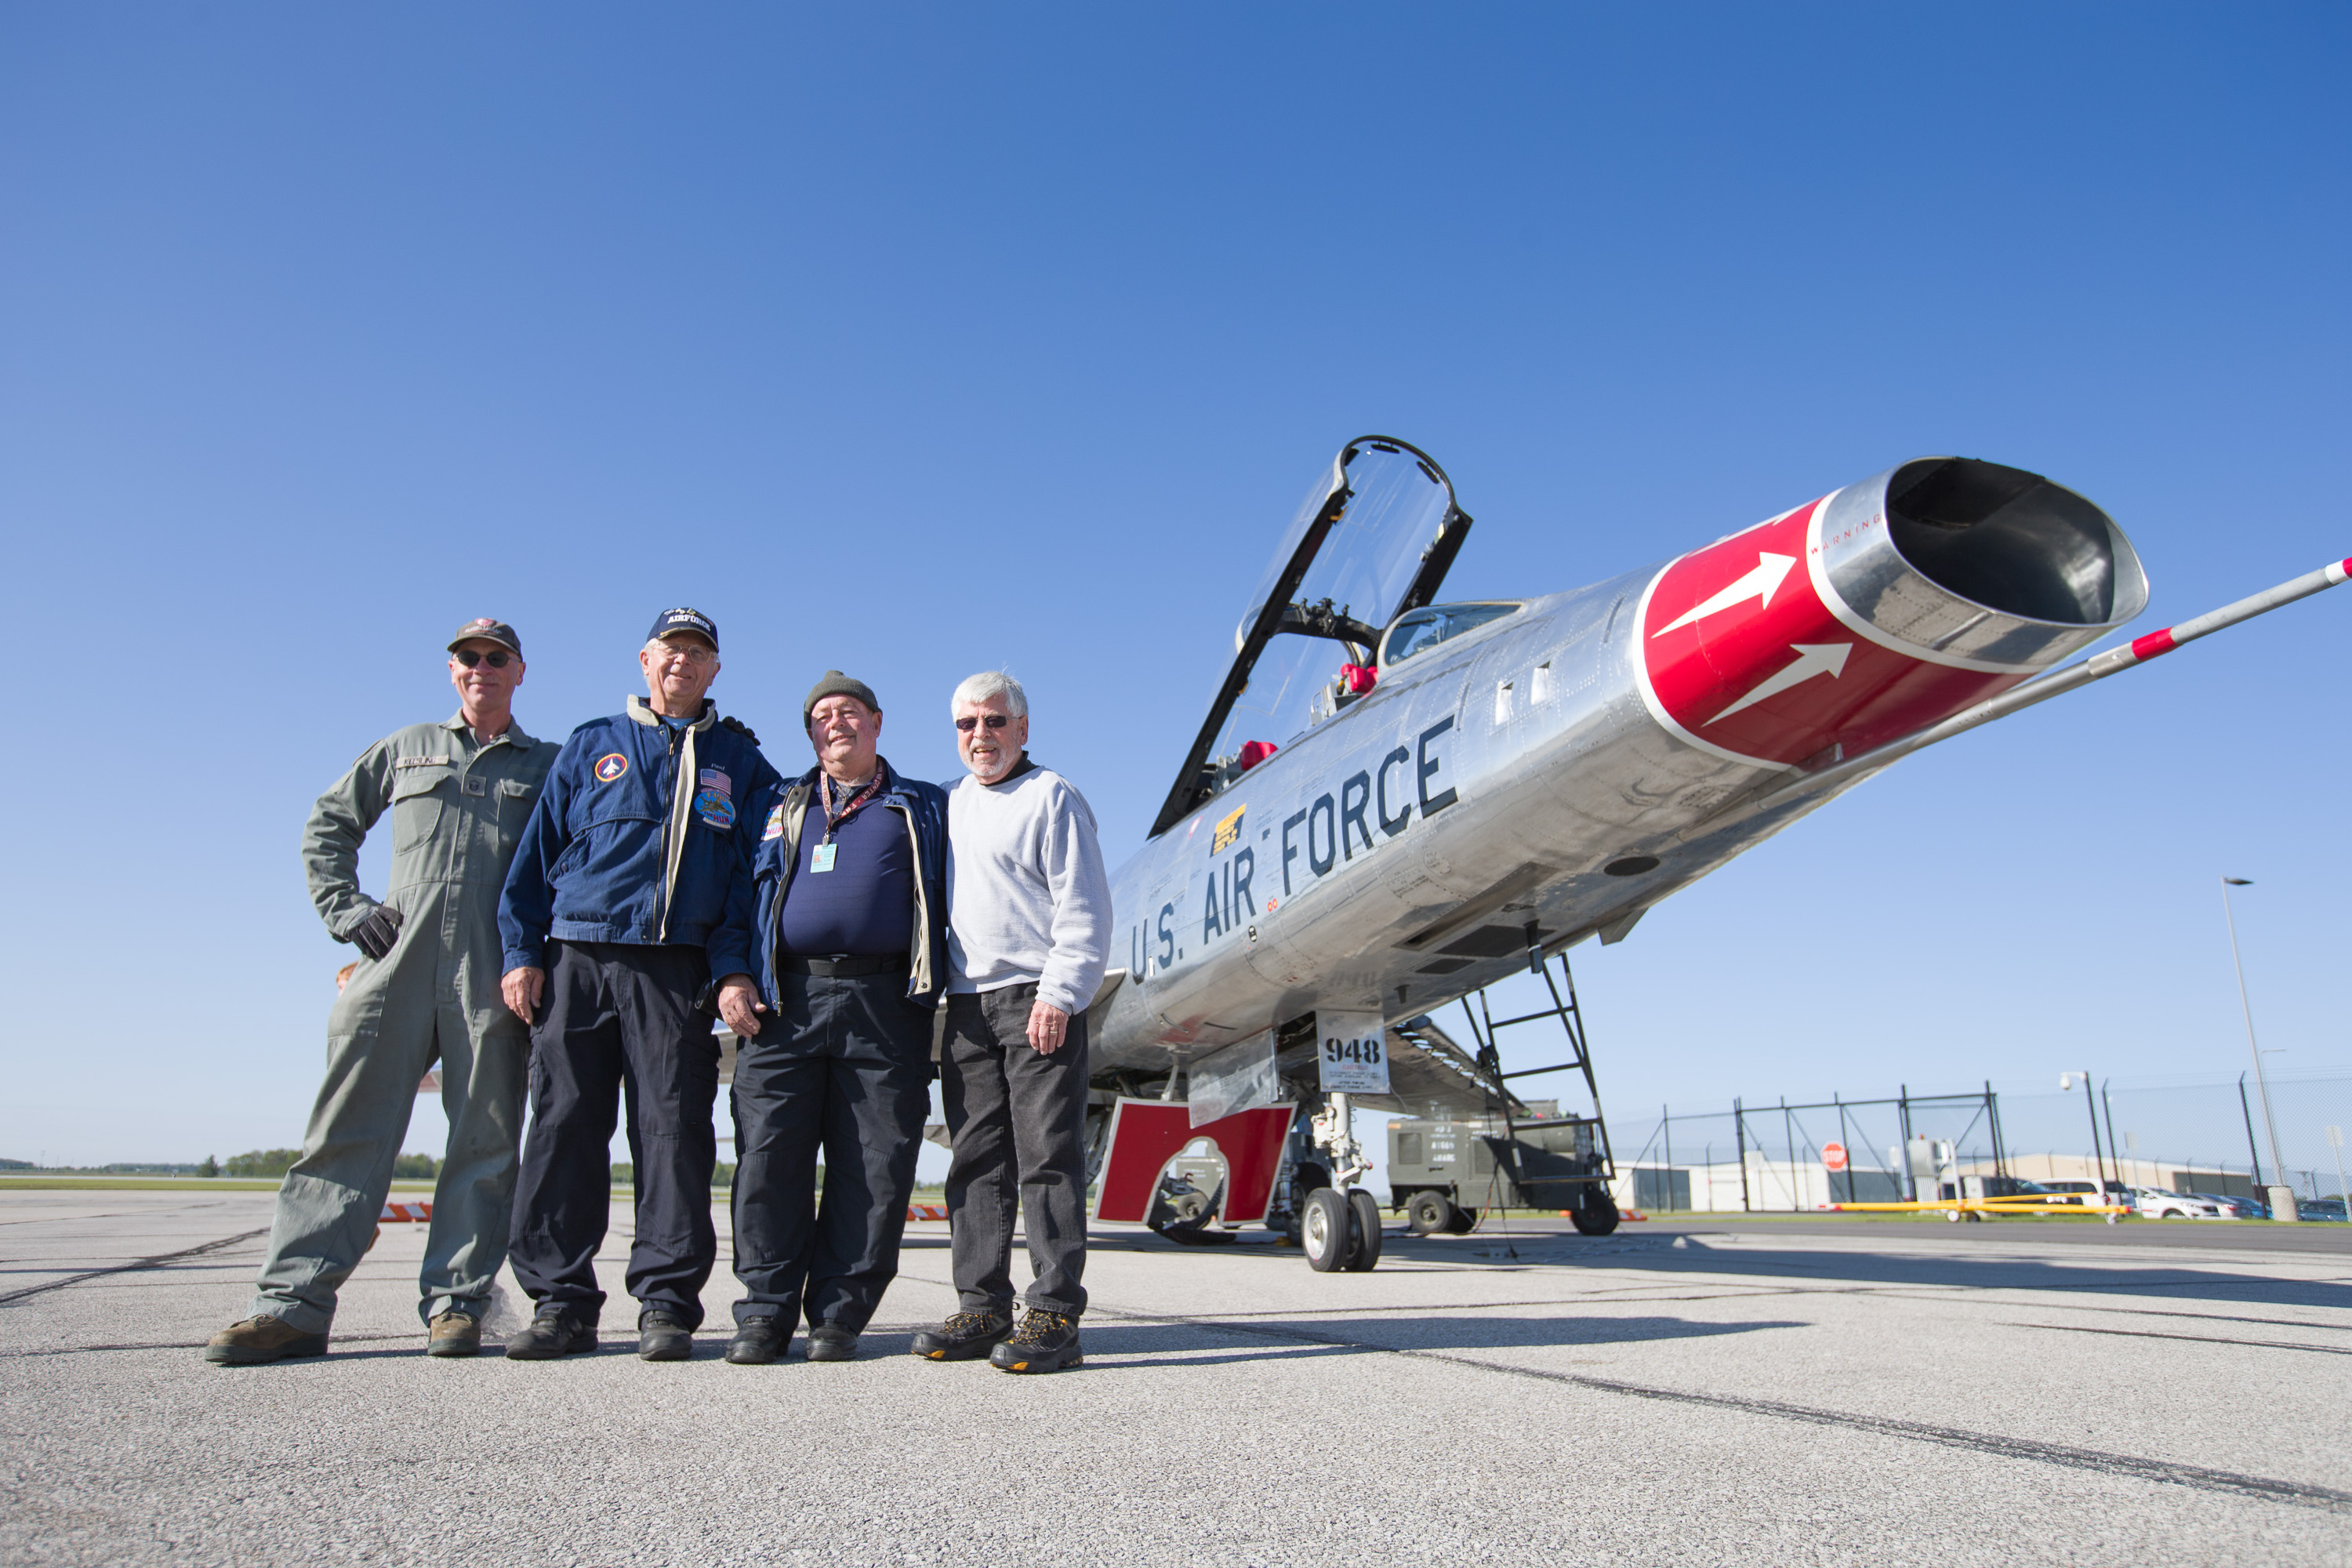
[{"x": 2262, "y": 1085}]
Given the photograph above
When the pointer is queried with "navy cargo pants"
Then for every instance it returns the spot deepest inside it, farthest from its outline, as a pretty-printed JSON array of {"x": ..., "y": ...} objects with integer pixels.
[
  {"x": 845, "y": 1067},
  {"x": 619, "y": 1020}
]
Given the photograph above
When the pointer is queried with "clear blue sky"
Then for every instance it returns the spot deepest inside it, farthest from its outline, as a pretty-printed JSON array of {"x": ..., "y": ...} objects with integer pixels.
[{"x": 918, "y": 340}]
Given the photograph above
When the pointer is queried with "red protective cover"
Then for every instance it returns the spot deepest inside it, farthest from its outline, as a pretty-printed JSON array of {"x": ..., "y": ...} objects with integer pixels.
[
  {"x": 1145, "y": 1134},
  {"x": 1360, "y": 678},
  {"x": 1255, "y": 752}
]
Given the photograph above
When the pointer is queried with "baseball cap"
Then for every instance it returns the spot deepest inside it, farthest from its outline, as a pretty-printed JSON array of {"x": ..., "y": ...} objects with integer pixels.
[
  {"x": 684, "y": 620},
  {"x": 496, "y": 631},
  {"x": 837, "y": 684}
]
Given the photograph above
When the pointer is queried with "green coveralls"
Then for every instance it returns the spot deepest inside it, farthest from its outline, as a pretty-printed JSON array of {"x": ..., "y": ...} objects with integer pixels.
[{"x": 457, "y": 810}]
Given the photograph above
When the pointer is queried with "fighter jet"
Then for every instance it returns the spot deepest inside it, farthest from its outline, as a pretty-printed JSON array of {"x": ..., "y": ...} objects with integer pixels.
[{"x": 1395, "y": 802}]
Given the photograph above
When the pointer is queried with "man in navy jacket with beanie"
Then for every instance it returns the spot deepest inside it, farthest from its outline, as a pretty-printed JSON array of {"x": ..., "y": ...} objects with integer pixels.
[{"x": 851, "y": 879}]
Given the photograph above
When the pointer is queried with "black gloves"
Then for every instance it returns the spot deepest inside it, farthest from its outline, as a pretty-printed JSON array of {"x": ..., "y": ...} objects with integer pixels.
[
  {"x": 740, "y": 728},
  {"x": 375, "y": 934}
]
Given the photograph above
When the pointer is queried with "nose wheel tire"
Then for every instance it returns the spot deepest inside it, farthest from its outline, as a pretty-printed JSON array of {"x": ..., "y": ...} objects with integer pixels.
[
  {"x": 1365, "y": 1209},
  {"x": 1429, "y": 1213},
  {"x": 1598, "y": 1217},
  {"x": 1323, "y": 1230}
]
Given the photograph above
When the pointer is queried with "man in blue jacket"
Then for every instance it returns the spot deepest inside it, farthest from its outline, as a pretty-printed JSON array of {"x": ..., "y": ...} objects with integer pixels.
[
  {"x": 630, "y": 901},
  {"x": 851, "y": 881}
]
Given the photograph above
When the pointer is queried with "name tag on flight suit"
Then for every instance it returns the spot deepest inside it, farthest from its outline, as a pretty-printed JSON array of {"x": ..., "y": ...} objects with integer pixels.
[{"x": 820, "y": 858}]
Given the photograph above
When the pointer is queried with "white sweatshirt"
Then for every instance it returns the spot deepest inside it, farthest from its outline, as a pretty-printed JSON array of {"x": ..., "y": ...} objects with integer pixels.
[{"x": 1027, "y": 895}]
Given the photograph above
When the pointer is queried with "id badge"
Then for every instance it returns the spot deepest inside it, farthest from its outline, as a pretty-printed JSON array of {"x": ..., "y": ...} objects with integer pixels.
[{"x": 821, "y": 858}]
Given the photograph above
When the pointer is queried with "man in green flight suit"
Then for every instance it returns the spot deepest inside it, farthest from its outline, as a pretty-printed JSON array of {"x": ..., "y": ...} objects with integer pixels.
[{"x": 426, "y": 987}]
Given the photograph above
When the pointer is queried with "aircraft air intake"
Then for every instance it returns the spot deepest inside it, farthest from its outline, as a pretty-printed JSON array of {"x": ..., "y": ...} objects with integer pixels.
[{"x": 1879, "y": 610}]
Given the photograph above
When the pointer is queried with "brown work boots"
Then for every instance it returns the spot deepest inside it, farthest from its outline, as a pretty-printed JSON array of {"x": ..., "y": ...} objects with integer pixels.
[
  {"x": 258, "y": 1339},
  {"x": 454, "y": 1334}
]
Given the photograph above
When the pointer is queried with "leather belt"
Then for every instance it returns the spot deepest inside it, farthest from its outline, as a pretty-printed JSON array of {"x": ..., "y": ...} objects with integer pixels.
[{"x": 844, "y": 968}]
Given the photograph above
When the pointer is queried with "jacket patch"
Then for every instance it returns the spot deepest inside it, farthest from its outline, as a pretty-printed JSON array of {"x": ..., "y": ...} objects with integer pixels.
[
  {"x": 775, "y": 828},
  {"x": 715, "y": 800},
  {"x": 610, "y": 766},
  {"x": 398, "y": 762}
]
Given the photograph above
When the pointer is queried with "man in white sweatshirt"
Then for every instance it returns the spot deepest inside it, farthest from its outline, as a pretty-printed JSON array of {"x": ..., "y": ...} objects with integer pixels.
[{"x": 1028, "y": 928}]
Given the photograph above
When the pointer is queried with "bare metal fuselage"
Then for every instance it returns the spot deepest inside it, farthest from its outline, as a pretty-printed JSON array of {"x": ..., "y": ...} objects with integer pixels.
[{"x": 1554, "y": 773}]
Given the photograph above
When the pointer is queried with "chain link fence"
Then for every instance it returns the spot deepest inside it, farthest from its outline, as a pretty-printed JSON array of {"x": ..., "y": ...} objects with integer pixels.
[{"x": 2198, "y": 1134}]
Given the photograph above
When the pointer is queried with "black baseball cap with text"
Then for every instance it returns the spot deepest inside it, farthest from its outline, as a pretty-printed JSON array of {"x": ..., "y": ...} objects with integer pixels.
[{"x": 671, "y": 622}]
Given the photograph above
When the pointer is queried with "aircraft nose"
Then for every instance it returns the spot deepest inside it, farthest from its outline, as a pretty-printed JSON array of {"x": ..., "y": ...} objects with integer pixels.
[{"x": 1879, "y": 610}]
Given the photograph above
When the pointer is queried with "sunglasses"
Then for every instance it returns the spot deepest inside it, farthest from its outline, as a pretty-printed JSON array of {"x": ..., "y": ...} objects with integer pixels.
[
  {"x": 994, "y": 720},
  {"x": 495, "y": 659}
]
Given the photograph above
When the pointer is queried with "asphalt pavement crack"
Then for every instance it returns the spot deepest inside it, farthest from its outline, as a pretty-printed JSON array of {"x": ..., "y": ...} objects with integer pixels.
[
  {"x": 161, "y": 1261},
  {"x": 2131, "y": 1467}
]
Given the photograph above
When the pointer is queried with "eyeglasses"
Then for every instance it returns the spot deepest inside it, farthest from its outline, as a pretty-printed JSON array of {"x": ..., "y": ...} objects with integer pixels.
[
  {"x": 495, "y": 659},
  {"x": 994, "y": 720},
  {"x": 692, "y": 652}
]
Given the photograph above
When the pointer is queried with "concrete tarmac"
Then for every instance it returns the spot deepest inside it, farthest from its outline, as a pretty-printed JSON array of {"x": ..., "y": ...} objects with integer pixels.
[{"x": 1698, "y": 1392}]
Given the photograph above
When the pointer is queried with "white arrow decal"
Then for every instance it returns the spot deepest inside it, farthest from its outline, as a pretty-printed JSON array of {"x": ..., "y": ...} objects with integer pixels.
[
  {"x": 1812, "y": 658},
  {"x": 1759, "y": 585}
]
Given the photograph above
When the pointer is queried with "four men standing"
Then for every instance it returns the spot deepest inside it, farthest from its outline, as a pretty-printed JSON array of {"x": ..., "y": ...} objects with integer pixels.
[{"x": 651, "y": 872}]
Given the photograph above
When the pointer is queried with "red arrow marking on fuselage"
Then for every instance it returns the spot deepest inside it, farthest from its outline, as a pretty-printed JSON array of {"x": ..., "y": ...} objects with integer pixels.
[
  {"x": 1812, "y": 658},
  {"x": 1759, "y": 584}
]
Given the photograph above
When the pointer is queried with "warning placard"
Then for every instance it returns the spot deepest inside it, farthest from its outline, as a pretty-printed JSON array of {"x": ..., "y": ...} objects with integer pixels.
[{"x": 1352, "y": 1051}]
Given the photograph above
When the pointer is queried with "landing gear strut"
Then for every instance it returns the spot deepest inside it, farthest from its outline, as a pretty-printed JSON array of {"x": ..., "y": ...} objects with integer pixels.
[{"x": 1340, "y": 1224}]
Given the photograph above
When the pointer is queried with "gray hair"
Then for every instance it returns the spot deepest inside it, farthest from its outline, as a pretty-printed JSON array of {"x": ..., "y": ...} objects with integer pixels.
[{"x": 990, "y": 683}]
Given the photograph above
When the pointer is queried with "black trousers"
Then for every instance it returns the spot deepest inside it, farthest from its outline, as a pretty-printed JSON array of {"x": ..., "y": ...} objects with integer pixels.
[
  {"x": 1018, "y": 1120},
  {"x": 620, "y": 1019},
  {"x": 845, "y": 1067}
]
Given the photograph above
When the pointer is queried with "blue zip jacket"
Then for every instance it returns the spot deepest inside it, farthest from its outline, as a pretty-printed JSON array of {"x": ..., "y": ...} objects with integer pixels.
[
  {"x": 924, "y": 809},
  {"x": 640, "y": 835}
]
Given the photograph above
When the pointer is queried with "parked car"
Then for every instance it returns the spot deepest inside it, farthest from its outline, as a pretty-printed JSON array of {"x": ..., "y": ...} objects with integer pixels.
[
  {"x": 2321, "y": 1208},
  {"x": 2234, "y": 1207},
  {"x": 2163, "y": 1203},
  {"x": 2085, "y": 1194}
]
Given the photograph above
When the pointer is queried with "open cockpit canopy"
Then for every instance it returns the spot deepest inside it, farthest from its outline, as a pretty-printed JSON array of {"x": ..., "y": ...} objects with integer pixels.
[{"x": 1373, "y": 539}]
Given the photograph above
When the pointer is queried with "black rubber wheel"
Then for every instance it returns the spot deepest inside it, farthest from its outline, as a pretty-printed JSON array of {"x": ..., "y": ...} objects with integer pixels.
[
  {"x": 1464, "y": 1221},
  {"x": 1598, "y": 1216},
  {"x": 1365, "y": 1255},
  {"x": 1324, "y": 1224},
  {"x": 1429, "y": 1213}
]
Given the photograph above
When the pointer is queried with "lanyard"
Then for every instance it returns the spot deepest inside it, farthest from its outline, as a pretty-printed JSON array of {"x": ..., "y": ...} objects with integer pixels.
[{"x": 856, "y": 804}]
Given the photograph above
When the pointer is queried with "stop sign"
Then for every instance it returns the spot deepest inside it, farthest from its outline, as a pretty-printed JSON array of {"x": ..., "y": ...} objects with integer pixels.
[{"x": 1834, "y": 1156}]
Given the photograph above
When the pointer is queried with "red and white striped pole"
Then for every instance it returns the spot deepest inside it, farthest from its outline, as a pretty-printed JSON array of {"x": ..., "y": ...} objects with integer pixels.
[{"x": 2058, "y": 682}]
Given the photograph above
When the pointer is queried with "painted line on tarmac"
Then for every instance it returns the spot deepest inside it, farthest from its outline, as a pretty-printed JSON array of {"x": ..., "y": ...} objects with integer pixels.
[
  {"x": 2192, "y": 1339},
  {"x": 2195, "y": 1477},
  {"x": 161, "y": 1261}
]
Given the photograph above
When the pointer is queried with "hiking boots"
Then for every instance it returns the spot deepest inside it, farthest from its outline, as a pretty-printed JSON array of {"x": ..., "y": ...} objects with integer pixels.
[
  {"x": 966, "y": 1336},
  {"x": 454, "y": 1334},
  {"x": 759, "y": 1341},
  {"x": 830, "y": 1341},
  {"x": 1045, "y": 1341},
  {"x": 661, "y": 1337},
  {"x": 262, "y": 1339},
  {"x": 553, "y": 1334}
]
